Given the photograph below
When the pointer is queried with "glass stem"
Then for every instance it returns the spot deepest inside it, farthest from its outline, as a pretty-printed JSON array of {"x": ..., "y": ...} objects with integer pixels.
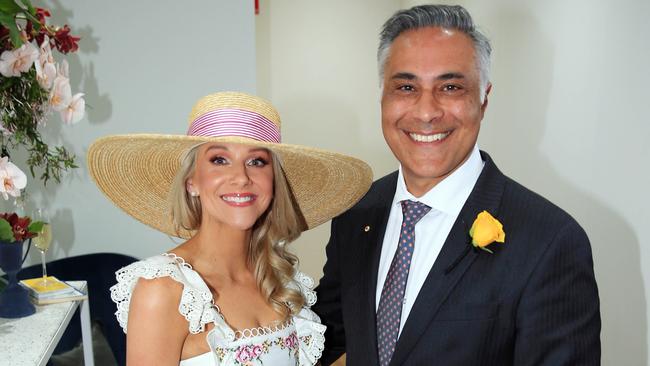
[{"x": 44, "y": 269}]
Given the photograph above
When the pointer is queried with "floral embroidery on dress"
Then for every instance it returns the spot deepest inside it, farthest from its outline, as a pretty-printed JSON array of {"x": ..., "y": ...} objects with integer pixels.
[
  {"x": 245, "y": 355},
  {"x": 306, "y": 339},
  {"x": 249, "y": 355},
  {"x": 291, "y": 342}
]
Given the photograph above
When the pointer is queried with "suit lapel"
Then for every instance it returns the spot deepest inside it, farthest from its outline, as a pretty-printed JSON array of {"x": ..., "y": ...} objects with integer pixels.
[
  {"x": 374, "y": 220},
  {"x": 452, "y": 262}
]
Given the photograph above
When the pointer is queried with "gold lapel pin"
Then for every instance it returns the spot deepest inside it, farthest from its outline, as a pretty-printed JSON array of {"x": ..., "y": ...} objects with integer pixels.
[{"x": 367, "y": 228}]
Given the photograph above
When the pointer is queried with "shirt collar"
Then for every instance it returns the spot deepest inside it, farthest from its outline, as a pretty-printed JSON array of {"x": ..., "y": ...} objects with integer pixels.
[{"x": 450, "y": 194}]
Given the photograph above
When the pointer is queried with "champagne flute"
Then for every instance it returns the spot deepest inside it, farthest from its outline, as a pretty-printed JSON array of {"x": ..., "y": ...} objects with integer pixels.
[{"x": 42, "y": 241}]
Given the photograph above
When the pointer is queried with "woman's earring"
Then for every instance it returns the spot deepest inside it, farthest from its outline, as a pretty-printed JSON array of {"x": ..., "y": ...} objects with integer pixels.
[{"x": 194, "y": 194}]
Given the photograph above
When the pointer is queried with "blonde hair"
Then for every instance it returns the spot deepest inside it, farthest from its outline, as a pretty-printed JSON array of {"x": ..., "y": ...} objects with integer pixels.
[{"x": 274, "y": 266}]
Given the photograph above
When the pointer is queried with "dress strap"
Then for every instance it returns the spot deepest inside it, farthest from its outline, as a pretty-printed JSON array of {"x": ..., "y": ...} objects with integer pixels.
[{"x": 179, "y": 260}]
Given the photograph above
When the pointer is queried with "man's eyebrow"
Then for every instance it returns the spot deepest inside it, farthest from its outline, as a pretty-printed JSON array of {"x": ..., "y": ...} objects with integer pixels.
[
  {"x": 404, "y": 76},
  {"x": 411, "y": 76},
  {"x": 450, "y": 75}
]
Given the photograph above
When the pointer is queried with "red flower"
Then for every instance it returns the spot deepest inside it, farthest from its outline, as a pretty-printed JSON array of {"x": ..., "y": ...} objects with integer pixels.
[
  {"x": 19, "y": 225},
  {"x": 10, "y": 217},
  {"x": 20, "y": 228},
  {"x": 60, "y": 38},
  {"x": 41, "y": 14},
  {"x": 65, "y": 42}
]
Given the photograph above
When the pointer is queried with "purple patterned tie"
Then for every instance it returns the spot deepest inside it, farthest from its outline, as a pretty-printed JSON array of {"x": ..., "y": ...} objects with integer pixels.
[{"x": 389, "y": 311}]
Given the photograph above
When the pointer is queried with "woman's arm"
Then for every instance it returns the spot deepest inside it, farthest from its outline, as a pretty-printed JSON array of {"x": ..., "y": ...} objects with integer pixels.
[{"x": 156, "y": 330}]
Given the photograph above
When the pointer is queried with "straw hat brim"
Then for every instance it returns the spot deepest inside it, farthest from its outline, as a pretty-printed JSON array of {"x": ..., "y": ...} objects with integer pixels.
[{"x": 136, "y": 171}]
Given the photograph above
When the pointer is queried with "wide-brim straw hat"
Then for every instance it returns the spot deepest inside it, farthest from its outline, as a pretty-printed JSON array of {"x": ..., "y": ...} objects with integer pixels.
[{"x": 136, "y": 171}]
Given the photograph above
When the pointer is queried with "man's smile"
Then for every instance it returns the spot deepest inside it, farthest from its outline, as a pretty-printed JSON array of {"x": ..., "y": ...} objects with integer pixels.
[{"x": 428, "y": 137}]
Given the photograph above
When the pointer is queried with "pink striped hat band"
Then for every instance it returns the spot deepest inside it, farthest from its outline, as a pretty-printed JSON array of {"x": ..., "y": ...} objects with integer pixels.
[{"x": 235, "y": 122}]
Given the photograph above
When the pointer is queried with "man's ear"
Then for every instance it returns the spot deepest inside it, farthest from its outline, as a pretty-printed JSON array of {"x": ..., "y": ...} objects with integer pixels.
[{"x": 485, "y": 97}]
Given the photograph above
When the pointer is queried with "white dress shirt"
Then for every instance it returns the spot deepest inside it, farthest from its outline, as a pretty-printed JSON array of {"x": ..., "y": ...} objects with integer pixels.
[{"x": 446, "y": 199}]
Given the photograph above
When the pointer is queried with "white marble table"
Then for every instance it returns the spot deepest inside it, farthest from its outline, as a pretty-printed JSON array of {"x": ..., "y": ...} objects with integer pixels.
[{"x": 30, "y": 341}]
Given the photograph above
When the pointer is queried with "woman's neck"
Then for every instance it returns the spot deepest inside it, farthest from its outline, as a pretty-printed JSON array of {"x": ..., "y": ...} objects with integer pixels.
[{"x": 221, "y": 251}]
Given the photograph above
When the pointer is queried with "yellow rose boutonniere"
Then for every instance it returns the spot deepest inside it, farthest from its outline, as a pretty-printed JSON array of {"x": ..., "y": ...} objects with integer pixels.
[{"x": 486, "y": 230}]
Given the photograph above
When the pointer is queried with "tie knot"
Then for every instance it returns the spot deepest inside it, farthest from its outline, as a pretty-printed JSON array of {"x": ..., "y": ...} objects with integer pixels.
[{"x": 413, "y": 211}]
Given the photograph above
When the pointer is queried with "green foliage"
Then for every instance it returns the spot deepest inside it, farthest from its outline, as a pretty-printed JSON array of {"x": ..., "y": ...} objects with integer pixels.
[
  {"x": 24, "y": 106},
  {"x": 35, "y": 227},
  {"x": 10, "y": 11},
  {"x": 6, "y": 233}
]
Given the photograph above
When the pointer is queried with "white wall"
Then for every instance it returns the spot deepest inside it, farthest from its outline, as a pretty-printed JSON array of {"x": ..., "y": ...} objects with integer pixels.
[
  {"x": 142, "y": 65},
  {"x": 566, "y": 118}
]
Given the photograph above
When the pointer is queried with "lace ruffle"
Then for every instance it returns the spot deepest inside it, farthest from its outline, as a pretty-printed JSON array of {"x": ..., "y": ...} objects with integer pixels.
[
  {"x": 195, "y": 304},
  {"x": 305, "y": 284},
  {"x": 310, "y": 331},
  {"x": 311, "y": 335}
]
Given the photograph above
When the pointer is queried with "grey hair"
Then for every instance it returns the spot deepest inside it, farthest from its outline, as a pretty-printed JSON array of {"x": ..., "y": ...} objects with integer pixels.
[{"x": 444, "y": 16}]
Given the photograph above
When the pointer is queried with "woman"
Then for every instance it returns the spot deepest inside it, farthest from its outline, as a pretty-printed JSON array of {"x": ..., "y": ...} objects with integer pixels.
[{"x": 230, "y": 294}]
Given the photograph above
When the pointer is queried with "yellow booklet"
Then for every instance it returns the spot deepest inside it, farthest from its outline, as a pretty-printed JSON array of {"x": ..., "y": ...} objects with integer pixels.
[{"x": 51, "y": 286}]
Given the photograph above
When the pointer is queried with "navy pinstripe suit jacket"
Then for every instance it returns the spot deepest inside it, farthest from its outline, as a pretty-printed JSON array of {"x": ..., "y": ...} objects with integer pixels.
[{"x": 533, "y": 302}]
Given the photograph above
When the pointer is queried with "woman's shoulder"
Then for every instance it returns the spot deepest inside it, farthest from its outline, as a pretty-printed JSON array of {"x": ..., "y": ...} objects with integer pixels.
[
  {"x": 164, "y": 279},
  {"x": 153, "y": 300},
  {"x": 157, "y": 289}
]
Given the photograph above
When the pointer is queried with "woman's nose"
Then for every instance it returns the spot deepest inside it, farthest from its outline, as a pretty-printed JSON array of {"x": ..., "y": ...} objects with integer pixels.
[{"x": 239, "y": 175}]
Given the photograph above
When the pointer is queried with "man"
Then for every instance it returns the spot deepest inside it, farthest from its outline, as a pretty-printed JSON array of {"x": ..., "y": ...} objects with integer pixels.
[{"x": 445, "y": 294}]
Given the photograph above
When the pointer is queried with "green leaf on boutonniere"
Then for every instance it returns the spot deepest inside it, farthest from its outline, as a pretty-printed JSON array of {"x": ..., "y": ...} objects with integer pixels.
[{"x": 6, "y": 233}]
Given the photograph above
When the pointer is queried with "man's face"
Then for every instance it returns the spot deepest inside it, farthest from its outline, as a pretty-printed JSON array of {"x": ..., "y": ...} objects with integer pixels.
[{"x": 431, "y": 104}]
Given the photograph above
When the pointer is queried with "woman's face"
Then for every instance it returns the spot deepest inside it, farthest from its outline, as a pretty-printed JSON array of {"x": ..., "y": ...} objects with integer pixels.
[{"x": 234, "y": 183}]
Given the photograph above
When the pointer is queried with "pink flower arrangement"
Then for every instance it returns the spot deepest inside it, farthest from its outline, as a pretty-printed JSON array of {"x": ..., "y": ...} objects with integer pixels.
[{"x": 33, "y": 84}]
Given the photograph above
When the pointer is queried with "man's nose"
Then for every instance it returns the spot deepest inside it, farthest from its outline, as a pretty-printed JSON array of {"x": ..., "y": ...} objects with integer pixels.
[{"x": 427, "y": 108}]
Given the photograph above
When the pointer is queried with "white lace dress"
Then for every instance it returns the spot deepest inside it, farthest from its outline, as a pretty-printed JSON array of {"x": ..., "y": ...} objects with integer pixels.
[{"x": 298, "y": 341}]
